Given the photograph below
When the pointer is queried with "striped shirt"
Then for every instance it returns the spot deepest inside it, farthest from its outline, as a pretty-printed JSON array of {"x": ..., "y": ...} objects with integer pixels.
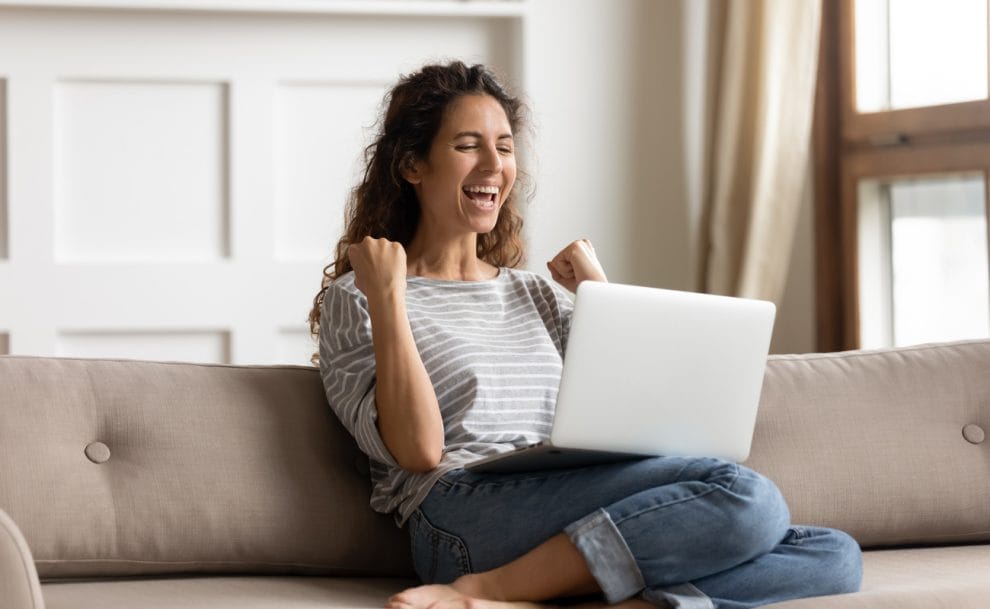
[{"x": 493, "y": 350}]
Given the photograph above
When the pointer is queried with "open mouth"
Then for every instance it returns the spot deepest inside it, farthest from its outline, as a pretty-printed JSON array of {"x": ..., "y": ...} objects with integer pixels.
[{"x": 482, "y": 196}]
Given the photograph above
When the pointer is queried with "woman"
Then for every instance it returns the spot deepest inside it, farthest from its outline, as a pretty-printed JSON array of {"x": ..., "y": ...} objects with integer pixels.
[{"x": 436, "y": 350}]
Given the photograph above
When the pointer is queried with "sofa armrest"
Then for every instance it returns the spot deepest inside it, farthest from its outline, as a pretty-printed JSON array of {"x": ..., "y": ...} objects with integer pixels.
[{"x": 18, "y": 577}]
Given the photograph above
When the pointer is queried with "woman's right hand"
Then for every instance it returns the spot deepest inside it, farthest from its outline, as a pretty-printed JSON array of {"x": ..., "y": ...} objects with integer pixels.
[
  {"x": 409, "y": 420},
  {"x": 379, "y": 267}
]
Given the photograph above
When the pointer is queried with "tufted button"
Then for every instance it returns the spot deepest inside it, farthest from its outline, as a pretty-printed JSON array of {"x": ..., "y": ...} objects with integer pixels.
[
  {"x": 98, "y": 452},
  {"x": 973, "y": 433}
]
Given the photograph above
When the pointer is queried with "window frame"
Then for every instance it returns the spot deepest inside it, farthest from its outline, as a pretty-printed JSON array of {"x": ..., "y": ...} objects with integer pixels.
[{"x": 850, "y": 146}]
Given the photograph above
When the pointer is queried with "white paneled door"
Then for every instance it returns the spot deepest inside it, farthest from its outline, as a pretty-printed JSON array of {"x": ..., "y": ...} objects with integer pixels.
[{"x": 172, "y": 181}]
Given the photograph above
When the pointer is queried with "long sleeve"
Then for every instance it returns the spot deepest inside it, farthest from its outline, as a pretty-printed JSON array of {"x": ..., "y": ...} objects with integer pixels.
[
  {"x": 347, "y": 366},
  {"x": 560, "y": 308},
  {"x": 565, "y": 309},
  {"x": 492, "y": 350}
]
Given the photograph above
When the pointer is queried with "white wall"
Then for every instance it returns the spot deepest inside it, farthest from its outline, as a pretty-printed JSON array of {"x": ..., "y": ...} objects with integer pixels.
[
  {"x": 604, "y": 79},
  {"x": 618, "y": 93},
  {"x": 616, "y": 89},
  {"x": 177, "y": 177}
]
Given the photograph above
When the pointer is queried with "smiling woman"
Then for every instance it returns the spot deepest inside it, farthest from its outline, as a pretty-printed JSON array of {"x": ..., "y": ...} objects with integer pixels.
[
  {"x": 385, "y": 204},
  {"x": 463, "y": 182},
  {"x": 436, "y": 351}
]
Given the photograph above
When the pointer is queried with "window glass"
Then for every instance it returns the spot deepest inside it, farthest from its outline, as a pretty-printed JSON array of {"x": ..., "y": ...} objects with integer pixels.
[
  {"x": 912, "y": 53},
  {"x": 924, "y": 255}
]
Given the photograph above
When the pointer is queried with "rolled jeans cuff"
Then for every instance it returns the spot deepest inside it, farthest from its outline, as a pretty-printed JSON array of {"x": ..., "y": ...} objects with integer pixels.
[
  {"x": 684, "y": 596},
  {"x": 609, "y": 558}
]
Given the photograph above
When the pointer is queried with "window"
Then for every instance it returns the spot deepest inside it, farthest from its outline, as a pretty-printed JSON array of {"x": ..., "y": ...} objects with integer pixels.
[{"x": 902, "y": 135}]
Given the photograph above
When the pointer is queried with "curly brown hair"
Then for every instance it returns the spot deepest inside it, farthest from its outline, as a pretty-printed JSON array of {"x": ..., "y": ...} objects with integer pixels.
[{"x": 384, "y": 205}]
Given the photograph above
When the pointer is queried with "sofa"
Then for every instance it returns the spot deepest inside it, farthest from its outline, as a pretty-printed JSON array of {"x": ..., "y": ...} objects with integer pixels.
[{"x": 163, "y": 485}]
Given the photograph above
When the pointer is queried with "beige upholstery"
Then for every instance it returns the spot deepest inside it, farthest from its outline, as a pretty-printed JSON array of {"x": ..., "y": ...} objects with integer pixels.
[
  {"x": 210, "y": 469},
  {"x": 19, "y": 586},
  {"x": 955, "y": 577},
  {"x": 872, "y": 442},
  {"x": 117, "y": 468},
  {"x": 233, "y": 592}
]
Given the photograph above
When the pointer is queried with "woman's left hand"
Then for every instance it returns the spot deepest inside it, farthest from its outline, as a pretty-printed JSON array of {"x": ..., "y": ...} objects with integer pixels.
[{"x": 576, "y": 263}]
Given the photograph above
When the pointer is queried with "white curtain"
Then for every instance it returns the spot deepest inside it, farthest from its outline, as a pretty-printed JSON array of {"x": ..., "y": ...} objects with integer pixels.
[{"x": 766, "y": 56}]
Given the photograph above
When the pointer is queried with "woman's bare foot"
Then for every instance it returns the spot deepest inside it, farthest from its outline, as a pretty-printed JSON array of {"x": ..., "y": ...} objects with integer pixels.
[
  {"x": 422, "y": 597},
  {"x": 449, "y": 597},
  {"x": 471, "y": 586}
]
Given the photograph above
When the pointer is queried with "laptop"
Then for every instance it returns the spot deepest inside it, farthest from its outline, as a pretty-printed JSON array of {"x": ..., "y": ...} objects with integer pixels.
[{"x": 652, "y": 372}]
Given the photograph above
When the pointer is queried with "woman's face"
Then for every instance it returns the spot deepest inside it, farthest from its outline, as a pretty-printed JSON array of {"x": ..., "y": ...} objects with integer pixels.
[{"x": 469, "y": 171}]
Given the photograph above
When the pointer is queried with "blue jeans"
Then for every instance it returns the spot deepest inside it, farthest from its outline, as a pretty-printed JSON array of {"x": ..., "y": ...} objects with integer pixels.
[{"x": 692, "y": 532}]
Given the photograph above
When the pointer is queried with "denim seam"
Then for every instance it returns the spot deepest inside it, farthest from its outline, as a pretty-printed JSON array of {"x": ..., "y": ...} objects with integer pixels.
[
  {"x": 536, "y": 477},
  {"x": 485, "y": 484},
  {"x": 438, "y": 536},
  {"x": 517, "y": 479},
  {"x": 651, "y": 508},
  {"x": 445, "y": 483},
  {"x": 800, "y": 534}
]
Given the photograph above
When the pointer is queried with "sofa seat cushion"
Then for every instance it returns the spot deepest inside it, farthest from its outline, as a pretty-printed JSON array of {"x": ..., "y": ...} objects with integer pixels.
[
  {"x": 235, "y": 592},
  {"x": 920, "y": 578}
]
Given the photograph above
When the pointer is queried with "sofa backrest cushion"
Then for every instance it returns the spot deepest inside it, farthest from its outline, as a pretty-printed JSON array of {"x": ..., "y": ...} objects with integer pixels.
[
  {"x": 125, "y": 467},
  {"x": 128, "y": 467},
  {"x": 887, "y": 445}
]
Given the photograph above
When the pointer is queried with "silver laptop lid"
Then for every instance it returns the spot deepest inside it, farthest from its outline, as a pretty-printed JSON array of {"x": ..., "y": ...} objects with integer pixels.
[{"x": 656, "y": 371}]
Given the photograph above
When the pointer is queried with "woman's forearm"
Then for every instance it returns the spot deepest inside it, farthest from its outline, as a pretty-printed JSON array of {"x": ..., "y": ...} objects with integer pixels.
[{"x": 408, "y": 413}]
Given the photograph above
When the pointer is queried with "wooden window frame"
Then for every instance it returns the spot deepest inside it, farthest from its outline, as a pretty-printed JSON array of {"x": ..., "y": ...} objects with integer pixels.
[{"x": 850, "y": 146}]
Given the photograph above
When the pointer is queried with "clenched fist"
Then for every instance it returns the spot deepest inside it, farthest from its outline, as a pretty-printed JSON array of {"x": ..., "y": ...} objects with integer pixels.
[
  {"x": 576, "y": 263},
  {"x": 379, "y": 267}
]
